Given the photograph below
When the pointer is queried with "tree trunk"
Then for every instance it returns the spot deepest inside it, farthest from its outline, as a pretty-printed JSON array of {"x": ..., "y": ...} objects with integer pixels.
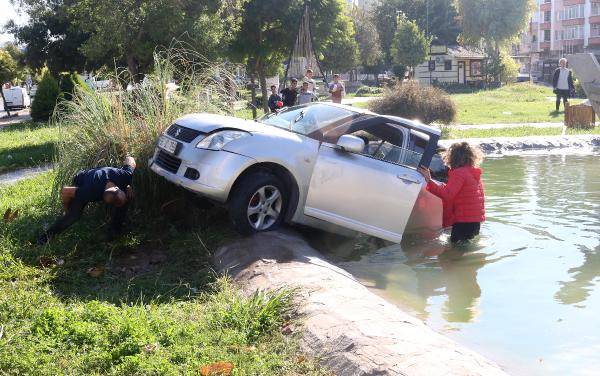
[
  {"x": 253, "y": 95},
  {"x": 4, "y": 102},
  {"x": 263, "y": 90}
]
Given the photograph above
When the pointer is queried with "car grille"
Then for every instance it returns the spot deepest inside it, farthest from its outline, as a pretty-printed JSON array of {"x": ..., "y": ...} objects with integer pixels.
[
  {"x": 182, "y": 133},
  {"x": 167, "y": 161}
]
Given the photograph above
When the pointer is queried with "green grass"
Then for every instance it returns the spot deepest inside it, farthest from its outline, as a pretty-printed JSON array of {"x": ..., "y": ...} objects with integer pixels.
[
  {"x": 26, "y": 145},
  {"x": 517, "y": 103},
  {"x": 450, "y": 133},
  {"x": 170, "y": 319}
]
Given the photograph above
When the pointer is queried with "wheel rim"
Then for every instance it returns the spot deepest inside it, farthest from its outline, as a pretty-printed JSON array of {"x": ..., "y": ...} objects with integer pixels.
[{"x": 264, "y": 207}]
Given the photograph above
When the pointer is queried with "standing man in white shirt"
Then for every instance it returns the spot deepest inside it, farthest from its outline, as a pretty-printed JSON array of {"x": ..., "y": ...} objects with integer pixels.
[
  {"x": 312, "y": 84},
  {"x": 562, "y": 83}
]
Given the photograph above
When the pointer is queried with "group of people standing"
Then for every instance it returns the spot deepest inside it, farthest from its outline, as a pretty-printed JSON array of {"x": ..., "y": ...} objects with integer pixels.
[{"x": 306, "y": 93}]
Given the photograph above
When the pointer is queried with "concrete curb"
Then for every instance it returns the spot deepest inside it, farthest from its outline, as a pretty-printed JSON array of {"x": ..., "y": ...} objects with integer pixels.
[{"x": 349, "y": 329}]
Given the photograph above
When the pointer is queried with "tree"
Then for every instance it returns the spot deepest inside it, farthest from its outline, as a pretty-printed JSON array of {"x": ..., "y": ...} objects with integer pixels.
[
  {"x": 495, "y": 22},
  {"x": 435, "y": 17},
  {"x": 51, "y": 38},
  {"x": 268, "y": 31},
  {"x": 341, "y": 52},
  {"x": 367, "y": 38},
  {"x": 409, "y": 46},
  {"x": 8, "y": 71},
  {"x": 45, "y": 98}
]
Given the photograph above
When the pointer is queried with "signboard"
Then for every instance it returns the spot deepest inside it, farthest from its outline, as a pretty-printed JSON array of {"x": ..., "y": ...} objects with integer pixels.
[{"x": 438, "y": 50}]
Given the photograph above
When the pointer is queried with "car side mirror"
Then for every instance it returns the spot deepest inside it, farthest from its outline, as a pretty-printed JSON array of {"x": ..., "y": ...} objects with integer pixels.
[{"x": 351, "y": 143}]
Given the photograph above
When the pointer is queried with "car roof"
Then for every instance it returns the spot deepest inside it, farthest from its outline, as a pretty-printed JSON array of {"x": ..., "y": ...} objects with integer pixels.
[{"x": 413, "y": 124}]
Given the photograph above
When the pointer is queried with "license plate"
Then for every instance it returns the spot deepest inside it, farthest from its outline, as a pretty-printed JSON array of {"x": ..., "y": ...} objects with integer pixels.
[{"x": 167, "y": 144}]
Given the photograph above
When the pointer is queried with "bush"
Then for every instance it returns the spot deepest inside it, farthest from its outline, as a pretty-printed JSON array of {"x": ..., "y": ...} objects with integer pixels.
[
  {"x": 414, "y": 101},
  {"x": 509, "y": 69},
  {"x": 456, "y": 88},
  {"x": 368, "y": 90},
  {"x": 68, "y": 83},
  {"x": 45, "y": 98},
  {"x": 99, "y": 129}
]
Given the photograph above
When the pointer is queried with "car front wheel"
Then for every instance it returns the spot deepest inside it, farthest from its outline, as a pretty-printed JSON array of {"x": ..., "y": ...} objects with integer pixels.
[{"x": 258, "y": 204}]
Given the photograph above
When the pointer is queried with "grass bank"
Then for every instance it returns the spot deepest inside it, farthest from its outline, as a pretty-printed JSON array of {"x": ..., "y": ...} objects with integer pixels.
[
  {"x": 516, "y": 103},
  {"x": 146, "y": 304},
  {"x": 26, "y": 144}
]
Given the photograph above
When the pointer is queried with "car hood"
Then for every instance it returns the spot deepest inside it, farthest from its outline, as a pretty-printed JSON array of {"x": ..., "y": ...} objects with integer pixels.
[{"x": 207, "y": 123}]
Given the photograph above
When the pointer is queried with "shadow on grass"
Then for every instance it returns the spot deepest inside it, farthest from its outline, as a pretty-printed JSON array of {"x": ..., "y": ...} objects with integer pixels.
[
  {"x": 26, "y": 156},
  {"x": 159, "y": 259}
]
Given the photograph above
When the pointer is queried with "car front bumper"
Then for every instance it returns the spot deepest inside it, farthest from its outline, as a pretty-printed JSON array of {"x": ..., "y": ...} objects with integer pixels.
[{"x": 217, "y": 170}]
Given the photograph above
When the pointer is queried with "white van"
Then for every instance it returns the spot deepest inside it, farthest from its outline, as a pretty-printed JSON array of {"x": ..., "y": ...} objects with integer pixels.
[{"x": 16, "y": 98}]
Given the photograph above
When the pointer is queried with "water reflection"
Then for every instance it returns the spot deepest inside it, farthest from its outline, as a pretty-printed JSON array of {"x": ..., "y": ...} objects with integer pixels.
[
  {"x": 516, "y": 293},
  {"x": 584, "y": 279}
]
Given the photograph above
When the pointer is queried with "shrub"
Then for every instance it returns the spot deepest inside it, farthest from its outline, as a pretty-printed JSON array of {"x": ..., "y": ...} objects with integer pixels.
[
  {"x": 98, "y": 129},
  {"x": 456, "y": 88},
  {"x": 368, "y": 90},
  {"x": 414, "y": 101},
  {"x": 45, "y": 98},
  {"x": 68, "y": 83}
]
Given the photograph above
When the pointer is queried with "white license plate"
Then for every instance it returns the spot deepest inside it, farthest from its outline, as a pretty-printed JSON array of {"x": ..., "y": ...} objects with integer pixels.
[{"x": 167, "y": 144}]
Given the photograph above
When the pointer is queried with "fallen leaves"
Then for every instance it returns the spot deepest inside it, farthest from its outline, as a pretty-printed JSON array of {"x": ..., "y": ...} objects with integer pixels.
[
  {"x": 10, "y": 215},
  {"x": 217, "y": 369},
  {"x": 95, "y": 271}
]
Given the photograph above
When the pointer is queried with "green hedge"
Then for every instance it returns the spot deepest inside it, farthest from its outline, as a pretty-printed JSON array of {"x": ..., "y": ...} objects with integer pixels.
[{"x": 45, "y": 98}]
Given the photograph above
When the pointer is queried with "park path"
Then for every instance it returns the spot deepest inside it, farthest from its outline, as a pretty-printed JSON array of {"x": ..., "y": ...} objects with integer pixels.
[
  {"x": 20, "y": 117},
  {"x": 24, "y": 173}
]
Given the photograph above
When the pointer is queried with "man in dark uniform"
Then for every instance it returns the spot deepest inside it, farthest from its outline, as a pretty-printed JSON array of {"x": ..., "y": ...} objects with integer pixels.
[
  {"x": 109, "y": 184},
  {"x": 289, "y": 94}
]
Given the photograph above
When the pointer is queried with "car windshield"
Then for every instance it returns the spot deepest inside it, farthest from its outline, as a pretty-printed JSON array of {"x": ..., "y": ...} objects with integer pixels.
[{"x": 306, "y": 119}]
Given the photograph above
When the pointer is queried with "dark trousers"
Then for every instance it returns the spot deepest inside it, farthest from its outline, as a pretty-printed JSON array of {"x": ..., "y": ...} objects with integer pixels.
[
  {"x": 464, "y": 231},
  {"x": 564, "y": 94},
  {"x": 74, "y": 213}
]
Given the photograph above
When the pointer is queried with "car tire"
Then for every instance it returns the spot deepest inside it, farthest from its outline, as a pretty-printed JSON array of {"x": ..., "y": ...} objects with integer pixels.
[{"x": 258, "y": 203}]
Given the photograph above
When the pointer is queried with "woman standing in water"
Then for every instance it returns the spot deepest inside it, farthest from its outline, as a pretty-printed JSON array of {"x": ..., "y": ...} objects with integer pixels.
[{"x": 463, "y": 195}]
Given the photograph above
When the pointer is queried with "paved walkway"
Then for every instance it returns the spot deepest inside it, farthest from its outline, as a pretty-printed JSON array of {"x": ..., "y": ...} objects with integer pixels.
[
  {"x": 20, "y": 117},
  {"x": 24, "y": 173}
]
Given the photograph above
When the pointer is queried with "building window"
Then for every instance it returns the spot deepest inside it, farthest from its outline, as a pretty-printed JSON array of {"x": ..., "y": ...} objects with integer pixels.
[
  {"x": 596, "y": 9},
  {"x": 534, "y": 39},
  {"x": 547, "y": 35},
  {"x": 547, "y": 16},
  {"x": 447, "y": 64},
  {"x": 475, "y": 68},
  {"x": 595, "y": 30},
  {"x": 570, "y": 13},
  {"x": 570, "y": 33}
]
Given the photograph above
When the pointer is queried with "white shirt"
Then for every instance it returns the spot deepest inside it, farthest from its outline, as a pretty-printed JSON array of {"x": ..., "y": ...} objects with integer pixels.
[{"x": 563, "y": 79}]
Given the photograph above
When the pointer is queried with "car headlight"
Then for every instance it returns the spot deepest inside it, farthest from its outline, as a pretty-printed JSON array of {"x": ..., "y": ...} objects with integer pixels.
[{"x": 218, "y": 140}]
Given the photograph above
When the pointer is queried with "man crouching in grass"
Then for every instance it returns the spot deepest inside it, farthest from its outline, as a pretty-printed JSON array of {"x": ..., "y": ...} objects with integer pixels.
[{"x": 109, "y": 184}]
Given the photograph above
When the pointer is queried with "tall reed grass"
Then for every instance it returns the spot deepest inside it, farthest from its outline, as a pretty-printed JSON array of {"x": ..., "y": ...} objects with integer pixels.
[{"x": 100, "y": 128}]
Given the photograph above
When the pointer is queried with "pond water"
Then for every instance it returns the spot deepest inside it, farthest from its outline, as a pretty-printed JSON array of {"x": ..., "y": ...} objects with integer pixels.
[{"x": 527, "y": 292}]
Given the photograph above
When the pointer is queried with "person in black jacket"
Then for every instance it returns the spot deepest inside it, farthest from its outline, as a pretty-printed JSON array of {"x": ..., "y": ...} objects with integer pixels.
[
  {"x": 289, "y": 94},
  {"x": 562, "y": 82},
  {"x": 108, "y": 184}
]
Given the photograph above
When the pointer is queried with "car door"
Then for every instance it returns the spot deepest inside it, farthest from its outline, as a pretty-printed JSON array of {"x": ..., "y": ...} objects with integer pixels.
[{"x": 362, "y": 193}]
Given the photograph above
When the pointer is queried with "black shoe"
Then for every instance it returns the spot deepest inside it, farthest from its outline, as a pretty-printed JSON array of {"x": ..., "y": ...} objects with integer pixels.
[{"x": 42, "y": 240}]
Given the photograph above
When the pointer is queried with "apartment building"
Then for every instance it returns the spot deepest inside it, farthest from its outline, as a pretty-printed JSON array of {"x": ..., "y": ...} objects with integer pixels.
[{"x": 559, "y": 28}]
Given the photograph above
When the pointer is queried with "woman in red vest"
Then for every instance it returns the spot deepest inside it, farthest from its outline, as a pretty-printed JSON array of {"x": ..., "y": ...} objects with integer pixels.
[{"x": 463, "y": 195}]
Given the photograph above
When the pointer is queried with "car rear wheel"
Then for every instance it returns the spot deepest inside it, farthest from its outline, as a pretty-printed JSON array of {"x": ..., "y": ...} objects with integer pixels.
[{"x": 258, "y": 203}]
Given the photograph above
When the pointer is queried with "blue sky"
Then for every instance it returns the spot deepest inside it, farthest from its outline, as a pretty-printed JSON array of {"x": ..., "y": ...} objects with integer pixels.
[{"x": 7, "y": 13}]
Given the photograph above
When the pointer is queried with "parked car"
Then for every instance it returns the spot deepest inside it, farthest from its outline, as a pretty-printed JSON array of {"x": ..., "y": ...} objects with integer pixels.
[
  {"x": 322, "y": 165},
  {"x": 16, "y": 98}
]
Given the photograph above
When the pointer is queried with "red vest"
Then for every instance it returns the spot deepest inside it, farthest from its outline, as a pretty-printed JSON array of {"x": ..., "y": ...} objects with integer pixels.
[{"x": 462, "y": 196}]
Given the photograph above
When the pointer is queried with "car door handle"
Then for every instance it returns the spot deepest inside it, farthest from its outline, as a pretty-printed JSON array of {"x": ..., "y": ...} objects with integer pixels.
[{"x": 408, "y": 179}]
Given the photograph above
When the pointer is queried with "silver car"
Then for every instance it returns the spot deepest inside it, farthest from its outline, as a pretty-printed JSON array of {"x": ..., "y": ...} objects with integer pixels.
[{"x": 323, "y": 165}]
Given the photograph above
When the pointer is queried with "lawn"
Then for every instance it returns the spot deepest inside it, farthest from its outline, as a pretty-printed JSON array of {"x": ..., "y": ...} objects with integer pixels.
[
  {"x": 147, "y": 304},
  {"x": 26, "y": 145},
  {"x": 517, "y": 103}
]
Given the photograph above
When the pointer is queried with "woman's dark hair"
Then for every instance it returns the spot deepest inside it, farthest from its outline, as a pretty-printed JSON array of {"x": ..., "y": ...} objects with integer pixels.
[{"x": 462, "y": 154}]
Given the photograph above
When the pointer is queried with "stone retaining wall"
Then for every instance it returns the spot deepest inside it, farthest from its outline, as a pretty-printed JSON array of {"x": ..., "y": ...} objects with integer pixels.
[
  {"x": 350, "y": 330},
  {"x": 517, "y": 145}
]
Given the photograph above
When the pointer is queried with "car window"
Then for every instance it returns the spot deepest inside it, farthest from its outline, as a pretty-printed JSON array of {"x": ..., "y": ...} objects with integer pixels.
[
  {"x": 307, "y": 119},
  {"x": 388, "y": 148}
]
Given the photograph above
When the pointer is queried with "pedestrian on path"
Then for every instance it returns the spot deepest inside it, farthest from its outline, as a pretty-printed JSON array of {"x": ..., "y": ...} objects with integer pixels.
[
  {"x": 463, "y": 195},
  {"x": 306, "y": 96},
  {"x": 274, "y": 99},
  {"x": 289, "y": 94},
  {"x": 562, "y": 82},
  {"x": 108, "y": 184},
  {"x": 337, "y": 90}
]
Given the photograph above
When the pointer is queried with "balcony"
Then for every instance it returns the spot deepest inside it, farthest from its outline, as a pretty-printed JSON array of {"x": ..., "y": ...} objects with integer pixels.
[
  {"x": 594, "y": 41},
  {"x": 546, "y": 7},
  {"x": 568, "y": 3},
  {"x": 546, "y": 26},
  {"x": 595, "y": 19},
  {"x": 544, "y": 45},
  {"x": 574, "y": 22}
]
